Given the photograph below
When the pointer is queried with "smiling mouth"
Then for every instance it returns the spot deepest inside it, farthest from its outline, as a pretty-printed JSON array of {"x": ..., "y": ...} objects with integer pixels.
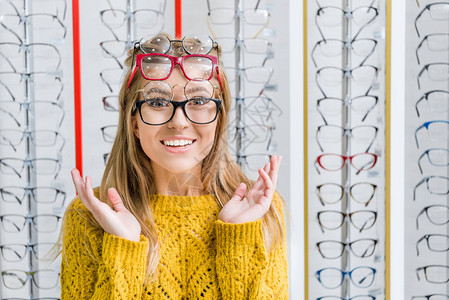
[{"x": 179, "y": 144}]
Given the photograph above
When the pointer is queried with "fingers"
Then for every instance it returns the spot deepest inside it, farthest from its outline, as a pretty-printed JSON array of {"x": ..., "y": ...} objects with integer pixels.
[
  {"x": 239, "y": 193},
  {"x": 273, "y": 173},
  {"x": 269, "y": 191},
  {"x": 116, "y": 201}
]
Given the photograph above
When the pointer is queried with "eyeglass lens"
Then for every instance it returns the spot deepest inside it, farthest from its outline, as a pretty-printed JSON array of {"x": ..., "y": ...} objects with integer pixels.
[{"x": 159, "y": 67}]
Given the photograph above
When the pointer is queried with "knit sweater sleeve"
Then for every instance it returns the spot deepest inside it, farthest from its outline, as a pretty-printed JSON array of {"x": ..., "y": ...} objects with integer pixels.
[
  {"x": 244, "y": 268},
  {"x": 99, "y": 265}
]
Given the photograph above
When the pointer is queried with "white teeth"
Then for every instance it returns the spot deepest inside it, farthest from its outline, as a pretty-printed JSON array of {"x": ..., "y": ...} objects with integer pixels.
[{"x": 178, "y": 142}]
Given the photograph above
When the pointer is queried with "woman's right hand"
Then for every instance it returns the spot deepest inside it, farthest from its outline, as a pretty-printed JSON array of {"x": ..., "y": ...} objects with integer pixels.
[{"x": 118, "y": 221}]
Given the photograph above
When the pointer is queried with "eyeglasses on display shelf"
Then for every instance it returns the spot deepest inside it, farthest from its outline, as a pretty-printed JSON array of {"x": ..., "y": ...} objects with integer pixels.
[
  {"x": 334, "y": 48},
  {"x": 435, "y": 242},
  {"x": 330, "y": 107},
  {"x": 32, "y": 139},
  {"x": 332, "y": 278},
  {"x": 436, "y": 100},
  {"x": 329, "y": 135},
  {"x": 332, "y": 219},
  {"x": 333, "y": 17},
  {"x": 332, "y": 193},
  {"x": 347, "y": 53}
]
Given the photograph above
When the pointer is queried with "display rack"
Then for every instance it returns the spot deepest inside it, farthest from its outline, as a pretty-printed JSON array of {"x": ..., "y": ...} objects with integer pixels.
[
  {"x": 28, "y": 171},
  {"x": 346, "y": 172}
]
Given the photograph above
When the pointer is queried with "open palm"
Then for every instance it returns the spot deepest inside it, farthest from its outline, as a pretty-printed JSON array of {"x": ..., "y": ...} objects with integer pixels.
[
  {"x": 252, "y": 206},
  {"x": 118, "y": 221}
]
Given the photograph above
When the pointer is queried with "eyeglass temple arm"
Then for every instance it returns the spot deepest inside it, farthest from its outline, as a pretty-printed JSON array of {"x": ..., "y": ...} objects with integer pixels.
[
  {"x": 416, "y": 21},
  {"x": 419, "y": 75},
  {"x": 419, "y": 241},
  {"x": 317, "y": 140},
  {"x": 208, "y": 25},
  {"x": 316, "y": 166},
  {"x": 417, "y": 102},
  {"x": 263, "y": 27},
  {"x": 417, "y": 217},
  {"x": 419, "y": 161},
  {"x": 416, "y": 134},
  {"x": 417, "y": 272},
  {"x": 417, "y": 49},
  {"x": 416, "y": 187}
]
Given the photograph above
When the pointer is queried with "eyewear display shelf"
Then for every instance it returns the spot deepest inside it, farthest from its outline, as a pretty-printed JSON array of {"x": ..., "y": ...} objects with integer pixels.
[
  {"x": 426, "y": 150},
  {"x": 31, "y": 140},
  {"x": 346, "y": 149},
  {"x": 125, "y": 21},
  {"x": 247, "y": 58}
]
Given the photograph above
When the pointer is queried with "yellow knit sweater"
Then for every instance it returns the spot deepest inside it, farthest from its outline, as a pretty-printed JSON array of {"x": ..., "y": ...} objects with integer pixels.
[{"x": 201, "y": 257}]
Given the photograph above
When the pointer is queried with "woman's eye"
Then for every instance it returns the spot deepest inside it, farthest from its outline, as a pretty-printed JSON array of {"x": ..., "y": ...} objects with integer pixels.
[
  {"x": 157, "y": 103},
  {"x": 199, "y": 101}
]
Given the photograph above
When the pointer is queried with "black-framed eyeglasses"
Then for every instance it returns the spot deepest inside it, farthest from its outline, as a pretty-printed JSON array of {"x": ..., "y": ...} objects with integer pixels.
[
  {"x": 17, "y": 252},
  {"x": 437, "y": 214},
  {"x": 434, "y": 273},
  {"x": 332, "y": 106},
  {"x": 331, "y": 193},
  {"x": 44, "y": 279},
  {"x": 436, "y": 42},
  {"x": 333, "y": 219},
  {"x": 438, "y": 157},
  {"x": 362, "y": 134},
  {"x": 435, "y": 242},
  {"x": 363, "y": 47},
  {"x": 437, "y": 11},
  {"x": 436, "y": 185},
  {"x": 40, "y": 194},
  {"x": 332, "y": 278},
  {"x": 438, "y": 71},
  {"x": 438, "y": 101},
  {"x": 158, "y": 107},
  {"x": 434, "y": 130},
  {"x": 334, "y": 249}
]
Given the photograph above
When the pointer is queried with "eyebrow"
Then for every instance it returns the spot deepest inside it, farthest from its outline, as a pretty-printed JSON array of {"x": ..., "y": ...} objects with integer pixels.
[
  {"x": 159, "y": 91},
  {"x": 196, "y": 89}
]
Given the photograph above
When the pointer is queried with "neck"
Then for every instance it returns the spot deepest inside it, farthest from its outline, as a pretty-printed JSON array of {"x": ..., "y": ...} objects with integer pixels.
[{"x": 186, "y": 183}]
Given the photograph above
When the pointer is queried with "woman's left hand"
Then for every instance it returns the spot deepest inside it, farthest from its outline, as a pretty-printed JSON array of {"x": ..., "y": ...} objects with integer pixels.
[{"x": 252, "y": 206}]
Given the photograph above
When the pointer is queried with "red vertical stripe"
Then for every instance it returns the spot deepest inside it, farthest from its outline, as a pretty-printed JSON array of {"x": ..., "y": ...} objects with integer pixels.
[
  {"x": 77, "y": 86},
  {"x": 178, "y": 19}
]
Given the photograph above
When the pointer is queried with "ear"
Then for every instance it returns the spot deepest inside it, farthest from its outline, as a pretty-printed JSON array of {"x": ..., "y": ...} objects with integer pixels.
[{"x": 135, "y": 126}]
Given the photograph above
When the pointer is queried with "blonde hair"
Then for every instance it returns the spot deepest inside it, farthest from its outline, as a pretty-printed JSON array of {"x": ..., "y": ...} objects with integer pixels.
[{"x": 129, "y": 171}]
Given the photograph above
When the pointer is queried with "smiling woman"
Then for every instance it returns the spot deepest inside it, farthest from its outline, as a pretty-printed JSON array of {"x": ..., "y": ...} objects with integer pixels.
[{"x": 175, "y": 216}]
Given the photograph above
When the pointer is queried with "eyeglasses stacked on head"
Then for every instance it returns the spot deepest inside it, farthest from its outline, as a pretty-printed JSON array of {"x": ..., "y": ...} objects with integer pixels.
[
  {"x": 156, "y": 104},
  {"x": 31, "y": 140},
  {"x": 348, "y": 151}
]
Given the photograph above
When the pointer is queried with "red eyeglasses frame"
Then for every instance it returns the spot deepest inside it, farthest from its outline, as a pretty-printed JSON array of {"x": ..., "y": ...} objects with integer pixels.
[{"x": 175, "y": 60}]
